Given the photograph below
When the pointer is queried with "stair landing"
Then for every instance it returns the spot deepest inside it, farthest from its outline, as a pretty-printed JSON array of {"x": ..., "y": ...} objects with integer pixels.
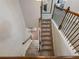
[{"x": 33, "y": 49}]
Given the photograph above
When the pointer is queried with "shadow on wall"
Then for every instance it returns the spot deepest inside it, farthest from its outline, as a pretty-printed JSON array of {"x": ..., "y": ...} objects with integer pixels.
[{"x": 5, "y": 29}]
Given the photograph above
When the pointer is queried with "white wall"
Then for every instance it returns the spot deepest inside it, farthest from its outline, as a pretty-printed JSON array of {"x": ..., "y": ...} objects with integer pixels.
[
  {"x": 31, "y": 12},
  {"x": 12, "y": 29},
  {"x": 74, "y": 5}
]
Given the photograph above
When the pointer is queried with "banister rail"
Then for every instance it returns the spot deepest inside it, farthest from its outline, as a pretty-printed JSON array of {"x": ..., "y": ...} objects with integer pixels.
[
  {"x": 42, "y": 57},
  {"x": 68, "y": 25},
  {"x": 27, "y": 40},
  {"x": 75, "y": 13}
]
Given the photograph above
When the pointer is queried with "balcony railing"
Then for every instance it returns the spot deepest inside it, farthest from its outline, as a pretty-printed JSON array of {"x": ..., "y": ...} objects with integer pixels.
[
  {"x": 58, "y": 15},
  {"x": 68, "y": 23}
]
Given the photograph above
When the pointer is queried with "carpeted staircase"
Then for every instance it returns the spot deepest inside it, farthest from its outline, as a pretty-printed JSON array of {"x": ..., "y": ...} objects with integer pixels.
[{"x": 46, "y": 41}]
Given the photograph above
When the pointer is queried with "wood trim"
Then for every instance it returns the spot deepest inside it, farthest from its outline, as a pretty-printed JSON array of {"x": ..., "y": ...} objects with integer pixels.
[
  {"x": 43, "y": 57},
  {"x": 72, "y": 12}
]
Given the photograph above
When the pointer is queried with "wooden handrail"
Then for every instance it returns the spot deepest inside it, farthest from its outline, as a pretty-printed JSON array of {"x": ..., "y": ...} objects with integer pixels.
[
  {"x": 72, "y": 12},
  {"x": 27, "y": 40},
  {"x": 66, "y": 10},
  {"x": 42, "y": 57}
]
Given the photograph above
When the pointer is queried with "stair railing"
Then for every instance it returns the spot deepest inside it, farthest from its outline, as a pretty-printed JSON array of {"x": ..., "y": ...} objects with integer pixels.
[
  {"x": 39, "y": 41},
  {"x": 27, "y": 40},
  {"x": 41, "y": 8},
  {"x": 39, "y": 34},
  {"x": 69, "y": 26},
  {"x": 60, "y": 26},
  {"x": 58, "y": 15}
]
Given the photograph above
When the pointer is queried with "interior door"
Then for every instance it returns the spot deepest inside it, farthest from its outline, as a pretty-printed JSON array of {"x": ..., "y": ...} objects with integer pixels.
[{"x": 47, "y": 6}]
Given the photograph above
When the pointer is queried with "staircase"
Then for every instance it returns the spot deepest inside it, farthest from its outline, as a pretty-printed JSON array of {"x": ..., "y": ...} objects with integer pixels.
[{"x": 46, "y": 41}]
